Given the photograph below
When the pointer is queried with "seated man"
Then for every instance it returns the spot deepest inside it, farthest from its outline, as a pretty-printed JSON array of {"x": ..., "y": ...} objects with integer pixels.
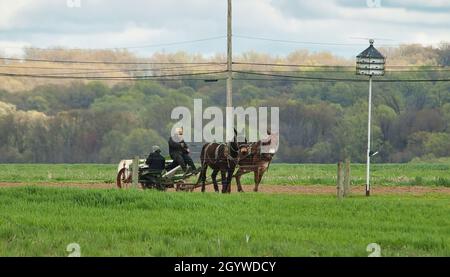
[
  {"x": 156, "y": 164},
  {"x": 155, "y": 160},
  {"x": 179, "y": 152}
]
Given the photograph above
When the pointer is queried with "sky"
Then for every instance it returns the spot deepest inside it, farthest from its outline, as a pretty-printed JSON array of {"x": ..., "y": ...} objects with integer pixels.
[{"x": 341, "y": 27}]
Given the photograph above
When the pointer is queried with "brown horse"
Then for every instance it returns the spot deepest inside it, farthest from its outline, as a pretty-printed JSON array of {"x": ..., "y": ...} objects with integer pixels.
[
  {"x": 221, "y": 157},
  {"x": 254, "y": 161}
]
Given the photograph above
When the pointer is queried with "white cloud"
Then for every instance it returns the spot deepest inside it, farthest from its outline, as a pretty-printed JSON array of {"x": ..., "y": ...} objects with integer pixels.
[
  {"x": 427, "y": 3},
  {"x": 131, "y": 35},
  {"x": 116, "y": 23},
  {"x": 9, "y": 11},
  {"x": 395, "y": 15}
]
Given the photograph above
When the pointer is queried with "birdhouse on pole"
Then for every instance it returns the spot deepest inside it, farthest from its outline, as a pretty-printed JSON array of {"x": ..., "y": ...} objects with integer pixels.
[{"x": 370, "y": 62}]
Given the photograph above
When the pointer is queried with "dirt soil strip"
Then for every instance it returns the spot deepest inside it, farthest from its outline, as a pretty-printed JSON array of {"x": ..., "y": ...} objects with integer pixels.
[{"x": 287, "y": 189}]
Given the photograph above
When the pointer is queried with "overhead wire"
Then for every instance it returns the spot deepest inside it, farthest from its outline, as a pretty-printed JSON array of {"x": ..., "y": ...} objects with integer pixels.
[
  {"x": 145, "y": 77},
  {"x": 56, "y": 48},
  {"x": 106, "y": 62},
  {"x": 290, "y": 77}
]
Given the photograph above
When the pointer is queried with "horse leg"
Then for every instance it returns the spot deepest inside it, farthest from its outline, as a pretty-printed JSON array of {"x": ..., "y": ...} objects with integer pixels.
[
  {"x": 202, "y": 176},
  {"x": 258, "y": 176},
  {"x": 214, "y": 176},
  {"x": 224, "y": 176},
  {"x": 238, "y": 181},
  {"x": 230, "y": 178}
]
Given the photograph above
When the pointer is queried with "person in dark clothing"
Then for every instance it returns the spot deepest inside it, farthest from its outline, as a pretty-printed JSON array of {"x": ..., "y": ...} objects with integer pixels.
[
  {"x": 155, "y": 160},
  {"x": 179, "y": 152},
  {"x": 156, "y": 164}
]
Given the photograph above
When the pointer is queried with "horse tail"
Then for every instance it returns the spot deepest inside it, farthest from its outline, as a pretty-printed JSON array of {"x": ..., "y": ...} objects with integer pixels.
[{"x": 203, "y": 165}]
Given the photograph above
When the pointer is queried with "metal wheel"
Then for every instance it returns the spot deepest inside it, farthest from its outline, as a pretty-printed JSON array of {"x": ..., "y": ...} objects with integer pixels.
[{"x": 122, "y": 181}]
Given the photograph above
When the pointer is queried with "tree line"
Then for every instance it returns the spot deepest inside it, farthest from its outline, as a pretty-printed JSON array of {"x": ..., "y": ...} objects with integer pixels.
[{"x": 320, "y": 122}]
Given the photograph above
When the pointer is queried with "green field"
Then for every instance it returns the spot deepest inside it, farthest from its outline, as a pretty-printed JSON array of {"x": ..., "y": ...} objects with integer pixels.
[
  {"x": 37, "y": 221},
  {"x": 286, "y": 174},
  {"x": 40, "y": 221}
]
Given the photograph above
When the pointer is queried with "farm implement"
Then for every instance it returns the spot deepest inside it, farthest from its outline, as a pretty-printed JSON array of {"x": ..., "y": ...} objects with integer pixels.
[{"x": 150, "y": 179}]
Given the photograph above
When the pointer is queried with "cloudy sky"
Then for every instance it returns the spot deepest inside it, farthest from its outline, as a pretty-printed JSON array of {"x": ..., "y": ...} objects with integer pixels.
[{"x": 153, "y": 25}]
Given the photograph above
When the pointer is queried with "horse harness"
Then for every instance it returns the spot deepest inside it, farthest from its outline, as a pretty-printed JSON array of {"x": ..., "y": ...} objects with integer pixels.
[{"x": 216, "y": 152}]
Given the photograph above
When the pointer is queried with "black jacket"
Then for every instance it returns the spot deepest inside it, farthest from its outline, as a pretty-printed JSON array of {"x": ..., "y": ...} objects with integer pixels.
[
  {"x": 156, "y": 161},
  {"x": 177, "y": 147}
]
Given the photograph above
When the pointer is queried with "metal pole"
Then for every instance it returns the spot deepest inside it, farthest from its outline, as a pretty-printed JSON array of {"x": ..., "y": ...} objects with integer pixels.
[
  {"x": 229, "y": 57},
  {"x": 368, "y": 137}
]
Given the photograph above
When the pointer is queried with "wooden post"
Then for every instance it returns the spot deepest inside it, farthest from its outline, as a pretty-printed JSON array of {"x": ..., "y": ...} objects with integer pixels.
[
  {"x": 340, "y": 181},
  {"x": 347, "y": 179},
  {"x": 135, "y": 176}
]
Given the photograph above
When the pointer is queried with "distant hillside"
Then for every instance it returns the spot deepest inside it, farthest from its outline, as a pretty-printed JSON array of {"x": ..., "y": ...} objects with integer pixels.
[{"x": 67, "y": 120}]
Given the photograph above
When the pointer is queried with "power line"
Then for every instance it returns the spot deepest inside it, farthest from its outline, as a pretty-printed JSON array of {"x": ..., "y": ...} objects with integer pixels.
[
  {"x": 192, "y": 68},
  {"x": 297, "y": 77},
  {"x": 128, "y": 71},
  {"x": 292, "y": 65},
  {"x": 347, "y": 71},
  {"x": 131, "y": 71},
  {"x": 335, "y": 80},
  {"x": 120, "y": 47},
  {"x": 179, "y": 69},
  {"x": 296, "y": 42},
  {"x": 112, "y": 69},
  {"x": 171, "y": 76},
  {"x": 122, "y": 71},
  {"x": 324, "y": 43},
  {"x": 285, "y": 77},
  {"x": 209, "y": 63},
  {"x": 108, "y": 77},
  {"x": 332, "y": 66},
  {"x": 290, "y": 77},
  {"x": 109, "y": 62},
  {"x": 308, "y": 42},
  {"x": 172, "y": 43}
]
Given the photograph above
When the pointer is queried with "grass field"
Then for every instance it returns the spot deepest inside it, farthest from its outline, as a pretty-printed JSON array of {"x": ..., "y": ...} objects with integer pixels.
[
  {"x": 42, "y": 221},
  {"x": 279, "y": 174},
  {"x": 38, "y": 221}
]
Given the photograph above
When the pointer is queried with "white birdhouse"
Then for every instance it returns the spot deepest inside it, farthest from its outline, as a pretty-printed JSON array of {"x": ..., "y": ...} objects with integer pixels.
[{"x": 370, "y": 62}]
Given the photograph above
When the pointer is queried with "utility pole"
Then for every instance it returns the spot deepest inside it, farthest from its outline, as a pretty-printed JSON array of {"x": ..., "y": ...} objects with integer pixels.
[
  {"x": 229, "y": 106},
  {"x": 229, "y": 57}
]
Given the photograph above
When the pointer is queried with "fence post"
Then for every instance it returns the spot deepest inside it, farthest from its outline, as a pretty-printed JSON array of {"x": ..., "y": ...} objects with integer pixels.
[
  {"x": 340, "y": 181},
  {"x": 135, "y": 176},
  {"x": 347, "y": 178}
]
